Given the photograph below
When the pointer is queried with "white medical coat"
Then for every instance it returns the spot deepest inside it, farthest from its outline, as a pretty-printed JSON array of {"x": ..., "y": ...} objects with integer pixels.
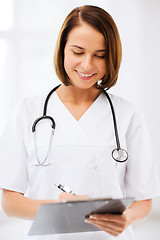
[{"x": 80, "y": 155}]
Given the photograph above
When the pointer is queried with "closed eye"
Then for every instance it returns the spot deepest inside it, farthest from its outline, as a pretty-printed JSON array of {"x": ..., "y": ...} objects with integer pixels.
[
  {"x": 100, "y": 56},
  {"x": 80, "y": 53},
  {"x": 77, "y": 53}
]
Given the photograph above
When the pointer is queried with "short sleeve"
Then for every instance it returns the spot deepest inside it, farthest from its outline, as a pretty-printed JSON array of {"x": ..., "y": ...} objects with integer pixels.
[
  {"x": 142, "y": 178},
  {"x": 13, "y": 155}
]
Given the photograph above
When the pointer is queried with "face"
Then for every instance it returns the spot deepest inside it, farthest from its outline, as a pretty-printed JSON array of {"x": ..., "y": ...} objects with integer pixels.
[{"x": 84, "y": 56}]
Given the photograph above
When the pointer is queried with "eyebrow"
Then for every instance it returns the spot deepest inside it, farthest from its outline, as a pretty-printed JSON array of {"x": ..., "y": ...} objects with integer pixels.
[{"x": 100, "y": 50}]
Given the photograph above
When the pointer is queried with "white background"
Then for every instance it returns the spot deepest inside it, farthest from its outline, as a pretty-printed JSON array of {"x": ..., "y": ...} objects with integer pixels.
[{"x": 28, "y": 34}]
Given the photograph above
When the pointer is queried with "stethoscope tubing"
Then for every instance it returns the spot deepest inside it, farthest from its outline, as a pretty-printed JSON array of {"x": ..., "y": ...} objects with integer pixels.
[
  {"x": 44, "y": 116},
  {"x": 114, "y": 121},
  {"x": 53, "y": 125},
  {"x": 47, "y": 99}
]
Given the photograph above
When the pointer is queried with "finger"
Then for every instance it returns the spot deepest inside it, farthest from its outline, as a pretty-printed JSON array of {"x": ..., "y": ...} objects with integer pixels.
[
  {"x": 121, "y": 219},
  {"x": 78, "y": 197},
  {"x": 111, "y": 231},
  {"x": 64, "y": 197},
  {"x": 104, "y": 224},
  {"x": 115, "y": 226}
]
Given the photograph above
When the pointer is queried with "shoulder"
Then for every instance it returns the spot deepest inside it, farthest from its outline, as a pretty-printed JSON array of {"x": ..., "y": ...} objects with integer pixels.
[
  {"x": 28, "y": 108},
  {"x": 122, "y": 104},
  {"x": 37, "y": 101},
  {"x": 32, "y": 101},
  {"x": 126, "y": 110}
]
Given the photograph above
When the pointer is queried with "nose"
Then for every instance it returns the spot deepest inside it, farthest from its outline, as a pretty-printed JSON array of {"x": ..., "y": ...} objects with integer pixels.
[{"x": 87, "y": 63}]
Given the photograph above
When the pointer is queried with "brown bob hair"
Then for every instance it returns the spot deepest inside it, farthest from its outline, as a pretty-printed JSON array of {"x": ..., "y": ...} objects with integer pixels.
[{"x": 102, "y": 22}]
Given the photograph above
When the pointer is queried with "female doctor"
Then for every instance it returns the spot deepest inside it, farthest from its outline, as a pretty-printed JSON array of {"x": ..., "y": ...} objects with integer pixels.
[{"x": 79, "y": 154}]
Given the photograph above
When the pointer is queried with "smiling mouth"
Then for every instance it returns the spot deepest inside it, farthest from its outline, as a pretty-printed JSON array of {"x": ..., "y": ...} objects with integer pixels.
[{"x": 85, "y": 76}]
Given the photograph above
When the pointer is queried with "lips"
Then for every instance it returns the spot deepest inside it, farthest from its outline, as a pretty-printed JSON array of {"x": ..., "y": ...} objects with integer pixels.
[{"x": 85, "y": 76}]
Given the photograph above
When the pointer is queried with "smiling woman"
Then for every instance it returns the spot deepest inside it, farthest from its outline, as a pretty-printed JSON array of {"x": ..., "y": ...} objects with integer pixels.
[
  {"x": 87, "y": 61},
  {"x": 84, "y": 59},
  {"x": 91, "y": 23}
]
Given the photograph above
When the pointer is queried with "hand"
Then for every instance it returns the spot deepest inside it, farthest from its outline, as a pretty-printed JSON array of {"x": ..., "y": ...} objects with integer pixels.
[
  {"x": 111, "y": 223},
  {"x": 64, "y": 197}
]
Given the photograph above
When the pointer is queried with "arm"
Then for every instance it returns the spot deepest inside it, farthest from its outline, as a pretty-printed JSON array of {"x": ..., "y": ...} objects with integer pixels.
[
  {"x": 116, "y": 224},
  {"x": 17, "y": 205}
]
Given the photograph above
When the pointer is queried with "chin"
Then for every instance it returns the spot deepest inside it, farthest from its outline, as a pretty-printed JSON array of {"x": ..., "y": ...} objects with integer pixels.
[{"x": 84, "y": 86}]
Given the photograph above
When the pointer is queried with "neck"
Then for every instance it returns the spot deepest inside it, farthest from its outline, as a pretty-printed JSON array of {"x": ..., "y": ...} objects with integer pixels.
[{"x": 76, "y": 95}]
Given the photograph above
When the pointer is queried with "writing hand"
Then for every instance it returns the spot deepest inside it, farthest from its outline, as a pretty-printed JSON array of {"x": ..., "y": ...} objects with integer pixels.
[{"x": 64, "y": 197}]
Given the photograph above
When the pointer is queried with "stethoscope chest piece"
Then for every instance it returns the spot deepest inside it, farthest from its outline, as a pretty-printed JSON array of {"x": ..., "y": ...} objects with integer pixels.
[{"x": 120, "y": 155}]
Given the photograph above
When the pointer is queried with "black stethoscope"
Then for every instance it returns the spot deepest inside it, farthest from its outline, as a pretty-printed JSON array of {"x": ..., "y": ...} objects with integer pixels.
[{"x": 118, "y": 154}]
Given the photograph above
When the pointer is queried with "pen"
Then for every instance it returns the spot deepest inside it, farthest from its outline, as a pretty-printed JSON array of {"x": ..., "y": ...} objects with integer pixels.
[{"x": 64, "y": 189}]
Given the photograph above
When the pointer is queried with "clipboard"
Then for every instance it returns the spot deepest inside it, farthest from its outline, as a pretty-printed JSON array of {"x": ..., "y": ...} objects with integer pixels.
[{"x": 69, "y": 217}]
